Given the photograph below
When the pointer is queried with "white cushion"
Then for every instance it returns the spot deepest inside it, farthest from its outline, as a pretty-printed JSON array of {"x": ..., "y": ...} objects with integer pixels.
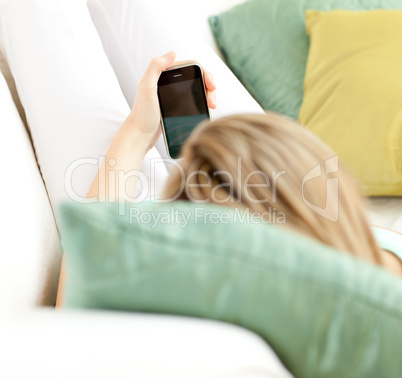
[
  {"x": 193, "y": 17},
  {"x": 64, "y": 344},
  {"x": 71, "y": 96},
  {"x": 144, "y": 30},
  {"x": 29, "y": 243}
]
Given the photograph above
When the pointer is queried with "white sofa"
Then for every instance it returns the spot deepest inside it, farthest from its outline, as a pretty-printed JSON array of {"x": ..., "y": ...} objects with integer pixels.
[{"x": 43, "y": 342}]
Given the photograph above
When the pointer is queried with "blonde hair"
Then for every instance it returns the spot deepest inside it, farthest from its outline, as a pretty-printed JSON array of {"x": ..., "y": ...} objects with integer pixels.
[{"x": 272, "y": 155}]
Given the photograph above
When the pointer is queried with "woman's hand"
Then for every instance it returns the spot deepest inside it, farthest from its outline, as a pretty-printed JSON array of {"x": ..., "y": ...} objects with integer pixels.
[{"x": 145, "y": 116}]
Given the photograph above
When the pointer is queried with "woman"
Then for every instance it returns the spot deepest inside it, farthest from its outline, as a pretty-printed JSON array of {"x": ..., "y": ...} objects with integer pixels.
[
  {"x": 252, "y": 147},
  {"x": 269, "y": 155}
]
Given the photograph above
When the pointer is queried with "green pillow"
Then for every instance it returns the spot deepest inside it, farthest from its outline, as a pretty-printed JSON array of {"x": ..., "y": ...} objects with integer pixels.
[
  {"x": 266, "y": 45},
  {"x": 325, "y": 313}
]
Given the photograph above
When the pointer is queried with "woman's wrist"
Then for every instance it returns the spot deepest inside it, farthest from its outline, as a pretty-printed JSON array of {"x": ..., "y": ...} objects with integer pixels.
[
  {"x": 124, "y": 157},
  {"x": 133, "y": 135}
]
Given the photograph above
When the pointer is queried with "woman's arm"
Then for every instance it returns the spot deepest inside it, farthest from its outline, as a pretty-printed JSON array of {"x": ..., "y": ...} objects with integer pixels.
[
  {"x": 137, "y": 135},
  {"x": 135, "y": 138}
]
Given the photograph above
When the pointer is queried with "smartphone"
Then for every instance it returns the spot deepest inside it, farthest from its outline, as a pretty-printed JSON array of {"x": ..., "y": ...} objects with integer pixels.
[{"x": 183, "y": 104}]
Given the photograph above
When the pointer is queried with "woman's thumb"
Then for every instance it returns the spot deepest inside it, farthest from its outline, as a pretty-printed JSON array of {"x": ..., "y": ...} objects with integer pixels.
[
  {"x": 169, "y": 58},
  {"x": 160, "y": 64}
]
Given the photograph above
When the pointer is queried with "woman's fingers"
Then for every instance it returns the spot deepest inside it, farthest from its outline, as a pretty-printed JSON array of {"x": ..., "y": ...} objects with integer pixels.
[
  {"x": 211, "y": 89},
  {"x": 211, "y": 99},
  {"x": 209, "y": 81}
]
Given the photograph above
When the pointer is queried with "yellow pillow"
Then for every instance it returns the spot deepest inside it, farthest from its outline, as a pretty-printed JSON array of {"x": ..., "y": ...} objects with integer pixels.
[{"x": 353, "y": 92}]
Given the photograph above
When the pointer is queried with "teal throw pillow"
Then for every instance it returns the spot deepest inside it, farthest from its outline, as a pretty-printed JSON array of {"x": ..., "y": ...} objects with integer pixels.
[{"x": 325, "y": 313}]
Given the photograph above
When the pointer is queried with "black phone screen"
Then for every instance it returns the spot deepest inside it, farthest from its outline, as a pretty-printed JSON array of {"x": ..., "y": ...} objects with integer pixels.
[{"x": 183, "y": 104}]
